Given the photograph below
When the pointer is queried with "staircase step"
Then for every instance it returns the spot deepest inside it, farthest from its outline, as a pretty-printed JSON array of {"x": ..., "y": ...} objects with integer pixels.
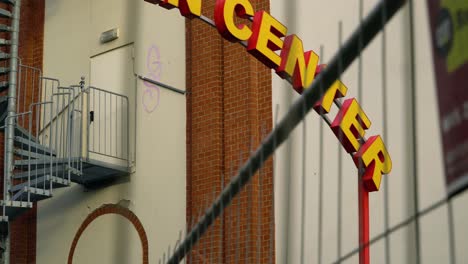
[
  {"x": 43, "y": 182},
  {"x": 19, "y": 130},
  {"x": 22, "y": 132},
  {"x": 59, "y": 170},
  {"x": 23, "y": 164},
  {"x": 4, "y": 70},
  {"x": 3, "y": 109},
  {"x": 36, "y": 194},
  {"x": 5, "y": 42},
  {"x": 14, "y": 208},
  {"x": 5, "y": 28},
  {"x": 24, "y": 143},
  {"x": 38, "y": 163},
  {"x": 4, "y": 55},
  {"x": 5, "y": 13},
  {"x": 4, "y": 85},
  {"x": 24, "y": 154},
  {"x": 11, "y": 2}
]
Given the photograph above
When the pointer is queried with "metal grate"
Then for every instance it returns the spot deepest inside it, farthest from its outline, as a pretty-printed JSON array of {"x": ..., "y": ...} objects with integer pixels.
[{"x": 369, "y": 28}]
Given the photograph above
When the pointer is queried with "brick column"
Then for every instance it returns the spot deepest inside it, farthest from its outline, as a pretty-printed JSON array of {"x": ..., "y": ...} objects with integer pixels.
[{"x": 228, "y": 110}]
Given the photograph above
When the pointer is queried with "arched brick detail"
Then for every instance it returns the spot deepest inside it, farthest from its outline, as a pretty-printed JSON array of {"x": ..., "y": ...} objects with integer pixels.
[{"x": 111, "y": 209}]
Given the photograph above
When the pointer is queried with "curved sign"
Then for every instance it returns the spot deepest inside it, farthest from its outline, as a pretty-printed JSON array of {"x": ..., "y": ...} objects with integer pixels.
[{"x": 267, "y": 40}]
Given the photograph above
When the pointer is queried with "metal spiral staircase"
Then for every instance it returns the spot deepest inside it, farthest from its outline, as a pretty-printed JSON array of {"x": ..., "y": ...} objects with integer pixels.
[{"x": 54, "y": 135}]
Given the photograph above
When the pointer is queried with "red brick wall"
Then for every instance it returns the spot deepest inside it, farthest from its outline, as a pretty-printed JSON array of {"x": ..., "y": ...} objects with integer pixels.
[
  {"x": 118, "y": 210},
  {"x": 23, "y": 229},
  {"x": 228, "y": 110},
  {"x": 32, "y": 32}
]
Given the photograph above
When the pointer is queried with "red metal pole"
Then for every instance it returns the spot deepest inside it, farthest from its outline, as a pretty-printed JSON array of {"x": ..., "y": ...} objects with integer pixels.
[{"x": 364, "y": 253}]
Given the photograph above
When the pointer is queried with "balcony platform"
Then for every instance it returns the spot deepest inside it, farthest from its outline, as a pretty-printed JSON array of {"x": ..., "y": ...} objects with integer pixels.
[{"x": 96, "y": 171}]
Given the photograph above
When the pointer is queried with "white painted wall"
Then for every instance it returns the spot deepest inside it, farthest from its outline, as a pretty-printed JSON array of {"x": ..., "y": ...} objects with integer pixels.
[
  {"x": 156, "y": 188},
  {"x": 316, "y": 22}
]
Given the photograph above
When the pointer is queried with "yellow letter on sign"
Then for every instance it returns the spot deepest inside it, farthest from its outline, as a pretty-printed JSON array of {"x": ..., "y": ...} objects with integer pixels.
[
  {"x": 350, "y": 123},
  {"x": 297, "y": 65},
  {"x": 376, "y": 161},
  {"x": 188, "y": 8},
  {"x": 266, "y": 39},
  {"x": 224, "y": 19},
  {"x": 337, "y": 90}
]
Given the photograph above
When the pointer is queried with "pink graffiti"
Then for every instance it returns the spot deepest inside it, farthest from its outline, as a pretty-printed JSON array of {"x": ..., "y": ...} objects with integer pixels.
[{"x": 151, "y": 95}]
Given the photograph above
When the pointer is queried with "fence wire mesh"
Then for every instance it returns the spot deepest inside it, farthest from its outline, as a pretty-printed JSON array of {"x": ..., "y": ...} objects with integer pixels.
[{"x": 200, "y": 229}]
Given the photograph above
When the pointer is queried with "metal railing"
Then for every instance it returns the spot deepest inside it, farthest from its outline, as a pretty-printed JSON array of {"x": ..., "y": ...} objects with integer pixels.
[
  {"x": 48, "y": 166},
  {"x": 29, "y": 89},
  {"x": 107, "y": 124},
  {"x": 58, "y": 128},
  {"x": 100, "y": 116},
  {"x": 54, "y": 125},
  {"x": 8, "y": 181}
]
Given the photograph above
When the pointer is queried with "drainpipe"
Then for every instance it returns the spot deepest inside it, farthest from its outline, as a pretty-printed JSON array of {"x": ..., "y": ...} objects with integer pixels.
[{"x": 10, "y": 125}]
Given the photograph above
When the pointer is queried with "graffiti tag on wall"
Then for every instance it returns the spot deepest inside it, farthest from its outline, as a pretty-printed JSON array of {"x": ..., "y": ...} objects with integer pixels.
[{"x": 151, "y": 95}]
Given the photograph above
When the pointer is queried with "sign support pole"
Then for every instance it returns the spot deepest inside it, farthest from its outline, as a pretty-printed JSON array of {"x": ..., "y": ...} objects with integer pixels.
[{"x": 364, "y": 252}]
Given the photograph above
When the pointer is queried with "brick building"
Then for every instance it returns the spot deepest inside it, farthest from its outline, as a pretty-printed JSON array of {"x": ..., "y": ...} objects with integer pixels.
[
  {"x": 224, "y": 112},
  {"x": 157, "y": 112}
]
